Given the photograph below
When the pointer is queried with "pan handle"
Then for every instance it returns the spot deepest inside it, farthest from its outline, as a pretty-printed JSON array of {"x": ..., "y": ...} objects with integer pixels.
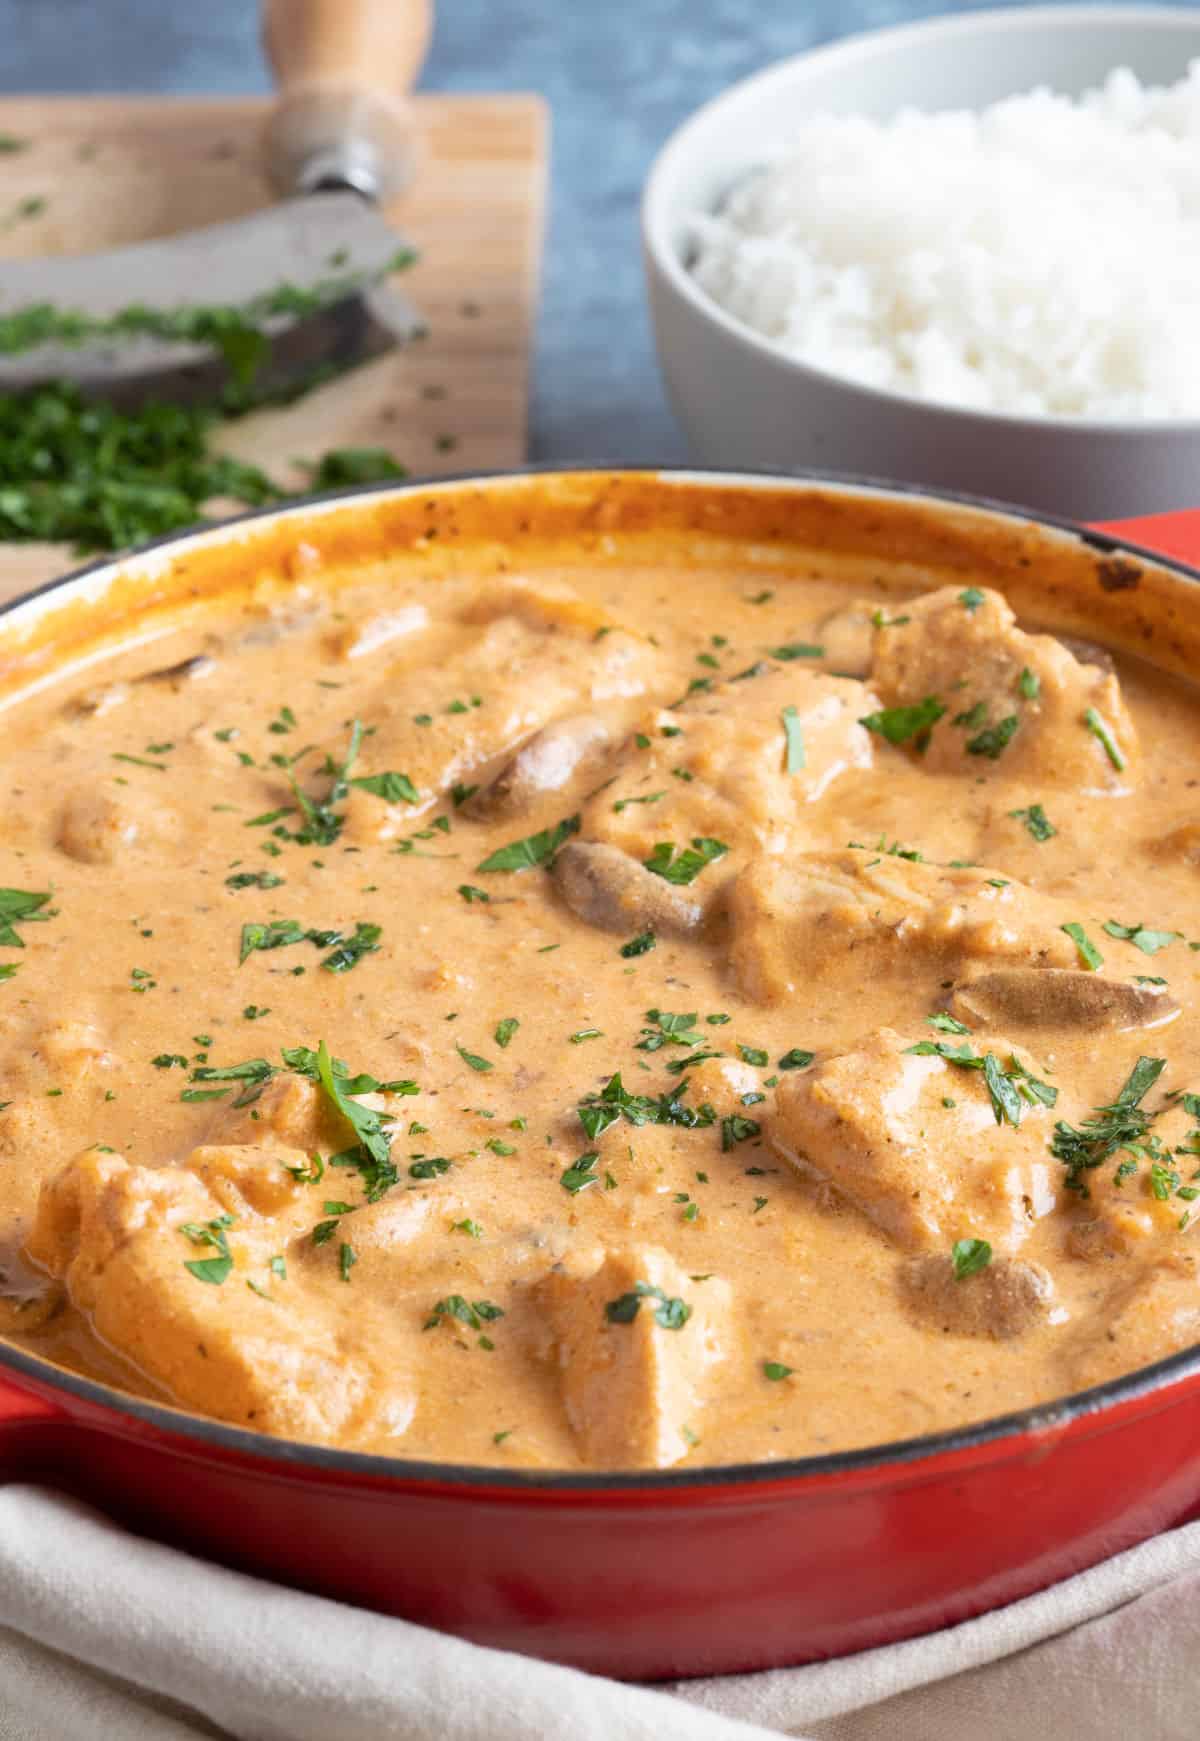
[
  {"x": 1176, "y": 535},
  {"x": 344, "y": 70}
]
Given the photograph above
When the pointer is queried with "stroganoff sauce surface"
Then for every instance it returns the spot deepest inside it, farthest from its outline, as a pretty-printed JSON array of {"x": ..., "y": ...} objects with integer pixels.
[{"x": 533, "y": 1020}]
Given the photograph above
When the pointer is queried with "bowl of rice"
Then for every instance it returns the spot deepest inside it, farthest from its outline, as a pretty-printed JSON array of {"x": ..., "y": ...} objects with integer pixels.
[{"x": 963, "y": 253}]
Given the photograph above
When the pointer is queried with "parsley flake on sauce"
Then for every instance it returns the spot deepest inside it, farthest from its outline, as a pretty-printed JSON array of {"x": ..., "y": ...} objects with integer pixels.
[
  {"x": 1088, "y": 953},
  {"x": 969, "y": 1256},
  {"x": 671, "y": 1313},
  {"x": 1036, "y": 821},
  {"x": 797, "y": 650},
  {"x": 796, "y": 1059},
  {"x": 1122, "y": 1124},
  {"x": 971, "y": 599},
  {"x": 395, "y": 788},
  {"x": 994, "y": 739},
  {"x": 1100, "y": 729},
  {"x": 682, "y": 865},
  {"x": 775, "y": 1370},
  {"x": 213, "y": 1270},
  {"x": 1141, "y": 936},
  {"x": 474, "y": 1060},
  {"x": 534, "y": 850},
  {"x": 795, "y": 757},
  {"x": 640, "y": 945},
  {"x": 505, "y": 1030},
  {"x": 19, "y": 906},
  {"x": 899, "y": 724}
]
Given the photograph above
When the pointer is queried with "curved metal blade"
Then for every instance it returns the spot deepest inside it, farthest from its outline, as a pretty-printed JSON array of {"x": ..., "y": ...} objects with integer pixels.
[{"x": 316, "y": 243}]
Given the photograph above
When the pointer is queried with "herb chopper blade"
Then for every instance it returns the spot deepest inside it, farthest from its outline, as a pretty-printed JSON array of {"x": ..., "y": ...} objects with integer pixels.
[{"x": 268, "y": 303}]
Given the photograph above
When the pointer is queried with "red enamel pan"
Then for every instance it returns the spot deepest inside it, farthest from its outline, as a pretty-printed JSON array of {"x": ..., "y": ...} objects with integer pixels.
[{"x": 685, "y": 1571}]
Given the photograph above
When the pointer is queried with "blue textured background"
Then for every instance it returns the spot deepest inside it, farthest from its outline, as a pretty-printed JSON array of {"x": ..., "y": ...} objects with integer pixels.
[{"x": 619, "y": 74}]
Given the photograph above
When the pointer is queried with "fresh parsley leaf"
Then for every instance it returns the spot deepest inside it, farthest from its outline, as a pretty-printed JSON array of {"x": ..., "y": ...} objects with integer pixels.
[
  {"x": 682, "y": 865},
  {"x": 775, "y": 1370},
  {"x": 1141, "y": 936},
  {"x": 18, "y": 906},
  {"x": 971, "y": 599},
  {"x": 796, "y": 650},
  {"x": 796, "y": 1059},
  {"x": 795, "y": 757},
  {"x": 1030, "y": 684},
  {"x": 671, "y": 1313},
  {"x": 899, "y": 724},
  {"x": 1036, "y": 821},
  {"x": 474, "y": 1060},
  {"x": 640, "y": 945},
  {"x": 969, "y": 1256},
  {"x": 1101, "y": 730},
  {"x": 505, "y": 1031},
  {"x": 580, "y": 1174},
  {"x": 994, "y": 739},
  {"x": 535, "y": 849},
  {"x": 1088, "y": 953},
  {"x": 396, "y": 788}
]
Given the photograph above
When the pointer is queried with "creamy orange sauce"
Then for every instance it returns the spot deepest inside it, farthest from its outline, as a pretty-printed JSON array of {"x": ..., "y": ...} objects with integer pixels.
[{"x": 800, "y": 1233}]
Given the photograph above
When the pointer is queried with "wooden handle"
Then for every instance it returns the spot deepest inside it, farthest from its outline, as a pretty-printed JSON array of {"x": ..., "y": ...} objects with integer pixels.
[{"x": 344, "y": 69}]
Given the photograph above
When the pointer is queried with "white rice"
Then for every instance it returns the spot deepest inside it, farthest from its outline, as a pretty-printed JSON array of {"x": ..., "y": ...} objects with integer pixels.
[{"x": 1041, "y": 256}]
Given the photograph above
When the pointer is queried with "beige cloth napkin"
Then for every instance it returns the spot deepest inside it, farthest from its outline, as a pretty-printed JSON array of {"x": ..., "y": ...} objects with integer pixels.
[{"x": 105, "y": 1637}]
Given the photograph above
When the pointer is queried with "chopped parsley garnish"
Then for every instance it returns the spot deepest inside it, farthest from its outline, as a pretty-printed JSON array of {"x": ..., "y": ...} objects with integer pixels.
[
  {"x": 994, "y": 739},
  {"x": 899, "y": 724},
  {"x": 682, "y": 865},
  {"x": 213, "y": 1270},
  {"x": 473, "y": 1313},
  {"x": 646, "y": 798},
  {"x": 797, "y": 650},
  {"x": 947, "y": 1024},
  {"x": 796, "y": 1059},
  {"x": 505, "y": 1030},
  {"x": 775, "y": 1370},
  {"x": 737, "y": 1128},
  {"x": 1030, "y": 684},
  {"x": 671, "y": 1313},
  {"x": 253, "y": 880},
  {"x": 474, "y": 1060},
  {"x": 1141, "y": 936},
  {"x": 1008, "y": 1089},
  {"x": 322, "y": 822},
  {"x": 640, "y": 945},
  {"x": 347, "y": 1258},
  {"x": 396, "y": 788},
  {"x": 348, "y": 950},
  {"x": 666, "y": 1028},
  {"x": 580, "y": 1174},
  {"x": 19, "y": 906},
  {"x": 535, "y": 849},
  {"x": 599, "y": 1112},
  {"x": 582, "y": 1034},
  {"x": 430, "y": 1168},
  {"x": 1036, "y": 821},
  {"x": 371, "y": 1158},
  {"x": 1099, "y": 729},
  {"x": 795, "y": 757},
  {"x": 973, "y": 717},
  {"x": 969, "y": 1256},
  {"x": 1088, "y": 953},
  {"x": 470, "y": 893},
  {"x": 971, "y": 599},
  {"x": 1122, "y": 1124},
  {"x": 753, "y": 1055}
]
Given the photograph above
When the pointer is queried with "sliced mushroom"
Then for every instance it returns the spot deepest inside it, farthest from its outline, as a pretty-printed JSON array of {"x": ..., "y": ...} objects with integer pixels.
[
  {"x": 199, "y": 665},
  {"x": 543, "y": 764},
  {"x": 607, "y": 888},
  {"x": 1060, "y": 997},
  {"x": 1004, "y": 1300}
]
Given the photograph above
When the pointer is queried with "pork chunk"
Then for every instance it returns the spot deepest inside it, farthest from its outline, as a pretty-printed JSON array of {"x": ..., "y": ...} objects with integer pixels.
[
  {"x": 996, "y": 682},
  {"x": 815, "y": 914},
  {"x": 912, "y": 1142},
  {"x": 114, "y": 1235},
  {"x": 633, "y": 1368},
  {"x": 719, "y": 765},
  {"x": 441, "y": 721}
]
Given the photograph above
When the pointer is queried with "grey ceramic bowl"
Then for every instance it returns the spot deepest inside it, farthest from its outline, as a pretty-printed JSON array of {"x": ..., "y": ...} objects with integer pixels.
[{"x": 743, "y": 402}]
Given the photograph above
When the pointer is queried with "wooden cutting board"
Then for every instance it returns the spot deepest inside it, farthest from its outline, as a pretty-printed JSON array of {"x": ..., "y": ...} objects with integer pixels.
[{"x": 112, "y": 170}]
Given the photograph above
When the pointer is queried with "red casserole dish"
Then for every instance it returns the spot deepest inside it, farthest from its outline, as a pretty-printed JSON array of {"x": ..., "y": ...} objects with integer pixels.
[{"x": 688, "y": 1572}]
